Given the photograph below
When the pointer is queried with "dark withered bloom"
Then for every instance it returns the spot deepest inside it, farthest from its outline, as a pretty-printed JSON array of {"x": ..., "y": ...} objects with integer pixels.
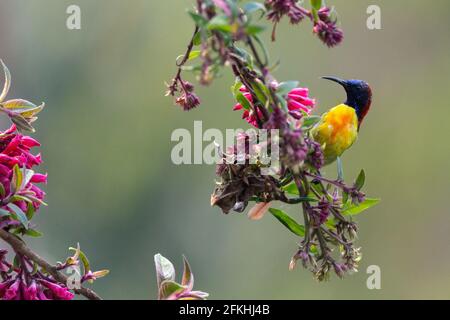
[
  {"x": 188, "y": 101},
  {"x": 315, "y": 157},
  {"x": 293, "y": 149},
  {"x": 277, "y": 120},
  {"x": 240, "y": 181},
  {"x": 239, "y": 184},
  {"x": 322, "y": 212},
  {"x": 277, "y": 9},
  {"x": 172, "y": 88},
  {"x": 326, "y": 28}
]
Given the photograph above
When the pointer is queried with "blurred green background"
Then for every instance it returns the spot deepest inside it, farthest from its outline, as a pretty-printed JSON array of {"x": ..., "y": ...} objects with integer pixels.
[{"x": 106, "y": 130}]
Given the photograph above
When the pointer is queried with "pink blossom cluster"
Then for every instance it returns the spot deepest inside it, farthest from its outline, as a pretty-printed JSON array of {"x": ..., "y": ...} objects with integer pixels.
[{"x": 15, "y": 154}]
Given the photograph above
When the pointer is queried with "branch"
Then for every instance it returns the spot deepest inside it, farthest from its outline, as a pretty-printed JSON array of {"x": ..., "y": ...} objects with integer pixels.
[{"x": 21, "y": 248}]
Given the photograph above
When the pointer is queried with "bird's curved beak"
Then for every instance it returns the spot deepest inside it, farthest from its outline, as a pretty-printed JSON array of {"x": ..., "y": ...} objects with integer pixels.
[{"x": 337, "y": 80}]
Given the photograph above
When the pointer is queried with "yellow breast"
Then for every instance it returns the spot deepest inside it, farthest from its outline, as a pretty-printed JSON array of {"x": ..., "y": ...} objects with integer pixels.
[{"x": 337, "y": 131}]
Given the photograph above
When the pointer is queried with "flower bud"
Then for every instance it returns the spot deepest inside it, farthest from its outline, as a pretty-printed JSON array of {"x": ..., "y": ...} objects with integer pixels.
[
  {"x": 60, "y": 292},
  {"x": 13, "y": 292}
]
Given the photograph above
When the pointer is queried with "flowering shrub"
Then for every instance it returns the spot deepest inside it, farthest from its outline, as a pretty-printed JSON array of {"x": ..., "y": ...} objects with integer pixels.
[
  {"x": 28, "y": 276},
  {"x": 227, "y": 34}
]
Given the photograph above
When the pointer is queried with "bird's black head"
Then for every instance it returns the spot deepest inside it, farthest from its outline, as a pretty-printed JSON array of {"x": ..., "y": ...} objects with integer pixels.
[{"x": 359, "y": 95}]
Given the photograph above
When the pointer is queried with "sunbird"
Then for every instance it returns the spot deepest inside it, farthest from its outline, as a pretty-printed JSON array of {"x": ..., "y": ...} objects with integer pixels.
[{"x": 338, "y": 128}]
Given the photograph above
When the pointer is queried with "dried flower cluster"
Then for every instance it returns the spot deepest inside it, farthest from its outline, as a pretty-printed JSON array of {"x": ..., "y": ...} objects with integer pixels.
[
  {"x": 324, "y": 24},
  {"x": 226, "y": 35}
]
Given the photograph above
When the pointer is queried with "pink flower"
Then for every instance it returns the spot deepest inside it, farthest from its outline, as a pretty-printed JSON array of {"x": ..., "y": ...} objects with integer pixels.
[
  {"x": 31, "y": 292},
  {"x": 248, "y": 115},
  {"x": 59, "y": 292},
  {"x": 15, "y": 149},
  {"x": 4, "y": 286},
  {"x": 39, "y": 178},
  {"x": 13, "y": 292},
  {"x": 298, "y": 101},
  {"x": 42, "y": 296}
]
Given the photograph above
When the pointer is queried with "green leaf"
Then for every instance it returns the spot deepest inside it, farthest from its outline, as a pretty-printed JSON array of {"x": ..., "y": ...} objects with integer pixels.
[
  {"x": 18, "y": 197},
  {"x": 253, "y": 7},
  {"x": 344, "y": 198},
  {"x": 291, "y": 189},
  {"x": 198, "y": 19},
  {"x": 27, "y": 175},
  {"x": 310, "y": 121},
  {"x": 262, "y": 47},
  {"x": 245, "y": 56},
  {"x": 359, "y": 183},
  {"x": 83, "y": 257},
  {"x": 340, "y": 169},
  {"x": 220, "y": 23},
  {"x": 261, "y": 91},
  {"x": 164, "y": 269},
  {"x": 254, "y": 29},
  {"x": 194, "y": 54},
  {"x": 2, "y": 190},
  {"x": 353, "y": 210},
  {"x": 197, "y": 40},
  {"x": 288, "y": 222},
  {"x": 235, "y": 88},
  {"x": 4, "y": 213},
  {"x": 20, "y": 179},
  {"x": 188, "y": 277},
  {"x": 316, "y": 4},
  {"x": 283, "y": 102},
  {"x": 285, "y": 87},
  {"x": 85, "y": 261},
  {"x": 101, "y": 273},
  {"x": 35, "y": 269},
  {"x": 25, "y": 108},
  {"x": 17, "y": 179},
  {"x": 243, "y": 101},
  {"x": 168, "y": 288},
  {"x": 19, "y": 214},
  {"x": 21, "y": 123},
  {"x": 7, "y": 84},
  {"x": 33, "y": 233},
  {"x": 34, "y": 199},
  {"x": 16, "y": 262},
  {"x": 30, "y": 211}
]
